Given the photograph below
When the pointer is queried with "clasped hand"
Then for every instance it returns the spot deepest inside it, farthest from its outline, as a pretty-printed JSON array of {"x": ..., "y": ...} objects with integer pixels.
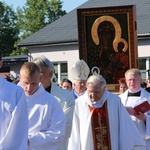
[{"x": 141, "y": 116}]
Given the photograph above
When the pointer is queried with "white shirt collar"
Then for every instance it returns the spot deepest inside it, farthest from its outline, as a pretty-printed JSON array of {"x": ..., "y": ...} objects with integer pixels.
[{"x": 99, "y": 103}]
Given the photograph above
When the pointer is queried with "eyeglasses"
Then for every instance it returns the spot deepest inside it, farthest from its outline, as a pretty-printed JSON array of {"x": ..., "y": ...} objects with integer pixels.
[{"x": 133, "y": 80}]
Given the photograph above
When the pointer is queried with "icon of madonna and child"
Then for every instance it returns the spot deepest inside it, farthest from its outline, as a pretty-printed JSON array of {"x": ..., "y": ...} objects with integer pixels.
[{"x": 110, "y": 53}]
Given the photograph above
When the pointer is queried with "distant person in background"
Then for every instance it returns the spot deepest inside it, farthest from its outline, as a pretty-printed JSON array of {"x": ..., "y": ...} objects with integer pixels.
[
  {"x": 66, "y": 84},
  {"x": 80, "y": 72},
  {"x": 122, "y": 85},
  {"x": 147, "y": 88},
  {"x": 64, "y": 97}
]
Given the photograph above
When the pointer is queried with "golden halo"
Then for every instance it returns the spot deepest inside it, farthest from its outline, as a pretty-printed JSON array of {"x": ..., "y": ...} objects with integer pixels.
[{"x": 118, "y": 32}]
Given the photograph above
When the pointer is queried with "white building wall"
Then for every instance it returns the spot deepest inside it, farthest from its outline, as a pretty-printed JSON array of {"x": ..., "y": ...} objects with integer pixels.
[
  {"x": 15, "y": 69},
  {"x": 58, "y": 54},
  {"x": 144, "y": 48},
  {"x": 144, "y": 53}
]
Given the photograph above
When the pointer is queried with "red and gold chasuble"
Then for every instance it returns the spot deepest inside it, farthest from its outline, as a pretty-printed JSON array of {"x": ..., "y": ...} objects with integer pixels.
[{"x": 100, "y": 128}]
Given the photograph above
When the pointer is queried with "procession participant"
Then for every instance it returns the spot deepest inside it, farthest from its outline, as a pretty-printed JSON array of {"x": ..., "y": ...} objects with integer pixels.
[
  {"x": 133, "y": 96},
  {"x": 80, "y": 72},
  {"x": 66, "y": 84},
  {"x": 100, "y": 121},
  {"x": 46, "y": 119},
  {"x": 147, "y": 83},
  {"x": 122, "y": 85},
  {"x": 13, "y": 116},
  {"x": 63, "y": 96}
]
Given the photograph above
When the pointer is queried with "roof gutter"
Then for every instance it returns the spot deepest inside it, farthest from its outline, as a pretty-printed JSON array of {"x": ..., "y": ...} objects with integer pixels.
[
  {"x": 143, "y": 36},
  {"x": 47, "y": 44}
]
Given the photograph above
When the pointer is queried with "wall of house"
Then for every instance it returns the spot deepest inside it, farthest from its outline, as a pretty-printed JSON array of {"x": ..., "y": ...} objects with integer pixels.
[
  {"x": 58, "y": 53},
  {"x": 144, "y": 48},
  {"x": 15, "y": 69},
  {"x": 144, "y": 55}
]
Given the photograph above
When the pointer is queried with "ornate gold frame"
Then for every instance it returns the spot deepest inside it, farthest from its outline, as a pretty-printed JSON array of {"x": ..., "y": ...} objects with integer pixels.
[{"x": 123, "y": 21}]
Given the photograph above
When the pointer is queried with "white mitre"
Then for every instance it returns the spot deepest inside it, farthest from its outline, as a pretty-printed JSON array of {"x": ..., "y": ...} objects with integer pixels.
[{"x": 80, "y": 71}]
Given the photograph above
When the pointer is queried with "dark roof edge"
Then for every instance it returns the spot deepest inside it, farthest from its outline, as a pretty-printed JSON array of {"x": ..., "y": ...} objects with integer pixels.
[
  {"x": 47, "y": 44},
  {"x": 140, "y": 36},
  {"x": 144, "y": 36},
  {"x": 15, "y": 59}
]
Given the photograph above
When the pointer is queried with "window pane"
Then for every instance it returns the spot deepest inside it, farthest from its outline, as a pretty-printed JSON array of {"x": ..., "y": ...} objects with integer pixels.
[
  {"x": 142, "y": 64},
  {"x": 64, "y": 68},
  {"x": 142, "y": 68},
  {"x": 64, "y": 71},
  {"x": 55, "y": 74}
]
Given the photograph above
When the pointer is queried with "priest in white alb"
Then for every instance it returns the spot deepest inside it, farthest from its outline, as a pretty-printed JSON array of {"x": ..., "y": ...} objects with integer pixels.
[
  {"x": 101, "y": 122},
  {"x": 47, "y": 122},
  {"x": 13, "y": 116},
  {"x": 64, "y": 97},
  {"x": 133, "y": 96}
]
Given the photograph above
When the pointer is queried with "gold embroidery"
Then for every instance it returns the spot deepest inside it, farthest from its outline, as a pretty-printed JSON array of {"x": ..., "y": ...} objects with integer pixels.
[
  {"x": 102, "y": 131},
  {"x": 82, "y": 70},
  {"x": 100, "y": 128}
]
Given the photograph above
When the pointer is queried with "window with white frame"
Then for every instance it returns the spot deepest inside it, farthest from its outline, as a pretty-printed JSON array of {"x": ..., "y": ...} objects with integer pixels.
[{"x": 60, "y": 72}]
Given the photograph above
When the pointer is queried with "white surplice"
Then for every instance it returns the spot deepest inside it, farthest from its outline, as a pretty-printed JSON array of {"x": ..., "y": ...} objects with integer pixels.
[
  {"x": 13, "y": 117},
  {"x": 143, "y": 127},
  {"x": 123, "y": 133},
  {"x": 67, "y": 102},
  {"x": 47, "y": 121}
]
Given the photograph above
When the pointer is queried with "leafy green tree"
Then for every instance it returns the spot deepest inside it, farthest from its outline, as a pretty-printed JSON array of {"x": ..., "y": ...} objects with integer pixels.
[
  {"x": 8, "y": 29},
  {"x": 36, "y": 14}
]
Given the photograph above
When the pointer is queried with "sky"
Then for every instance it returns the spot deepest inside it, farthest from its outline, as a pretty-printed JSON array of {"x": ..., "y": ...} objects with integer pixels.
[{"x": 68, "y": 5}]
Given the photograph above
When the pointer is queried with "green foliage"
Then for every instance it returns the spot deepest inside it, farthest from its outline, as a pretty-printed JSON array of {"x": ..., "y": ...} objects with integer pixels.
[
  {"x": 8, "y": 29},
  {"x": 15, "y": 26},
  {"x": 20, "y": 51},
  {"x": 36, "y": 14}
]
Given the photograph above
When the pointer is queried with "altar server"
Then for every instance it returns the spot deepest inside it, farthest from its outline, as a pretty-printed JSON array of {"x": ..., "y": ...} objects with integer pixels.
[{"x": 46, "y": 119}]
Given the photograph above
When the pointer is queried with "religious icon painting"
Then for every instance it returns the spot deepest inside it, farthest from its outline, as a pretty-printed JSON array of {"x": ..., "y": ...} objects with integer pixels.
[{"x": 108, "y": 40}]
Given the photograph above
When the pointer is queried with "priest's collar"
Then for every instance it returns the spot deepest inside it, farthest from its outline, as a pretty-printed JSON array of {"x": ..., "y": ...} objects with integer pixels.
[
  {"x": 79, "y": 94},
  {"x": 48, "y": 89},
  {"x": 138, "y": 93}
]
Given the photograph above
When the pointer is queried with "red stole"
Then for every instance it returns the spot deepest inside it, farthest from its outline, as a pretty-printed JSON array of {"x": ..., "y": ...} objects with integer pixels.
[{"x": 100, "y": 128}]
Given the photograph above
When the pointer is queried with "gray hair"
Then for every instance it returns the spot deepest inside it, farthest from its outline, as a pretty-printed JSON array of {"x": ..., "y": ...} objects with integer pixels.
[
  {"x": 133, "y": 71},
  {"x": 96, "y": 79},
  {"x": 44, "y": 62}
]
